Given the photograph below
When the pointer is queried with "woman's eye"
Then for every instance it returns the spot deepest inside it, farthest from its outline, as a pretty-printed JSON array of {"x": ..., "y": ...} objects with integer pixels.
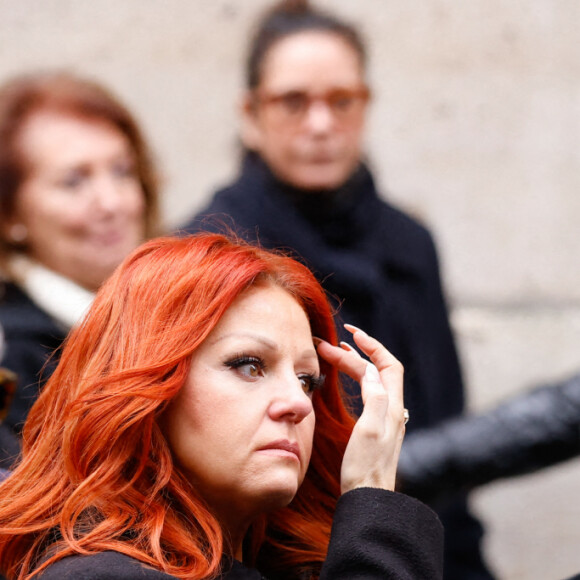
[
  {"x": 249, "y": 367},
  {"x": 294, "y": 102},
  {"x": 311, "y": 382},
  {"x": 341, "y": 101},
  {"x": 124, "y": 169},
  {"x": 72, "y": 181},
  {"x": 252, "y": 370}
]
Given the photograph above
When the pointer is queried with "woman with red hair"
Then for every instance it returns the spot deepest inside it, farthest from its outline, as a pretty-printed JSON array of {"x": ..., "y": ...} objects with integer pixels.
[{"x": 195, "y": 428}]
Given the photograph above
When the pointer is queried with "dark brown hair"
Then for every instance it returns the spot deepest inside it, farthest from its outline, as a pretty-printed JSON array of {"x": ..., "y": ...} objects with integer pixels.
[
  {"x": 62, "y": 92},
  {"x": 290, "y": 17}
]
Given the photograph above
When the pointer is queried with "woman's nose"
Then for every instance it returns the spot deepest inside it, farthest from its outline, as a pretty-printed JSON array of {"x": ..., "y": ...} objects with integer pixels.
[
  {"x": 107, "y": 194},
  {"x": 290, "y": 402},
  {"x": 319, "y": 117}
]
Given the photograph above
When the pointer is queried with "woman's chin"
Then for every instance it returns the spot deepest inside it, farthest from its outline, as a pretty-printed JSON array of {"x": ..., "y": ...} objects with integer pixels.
[{"x": 278, "y": 495}]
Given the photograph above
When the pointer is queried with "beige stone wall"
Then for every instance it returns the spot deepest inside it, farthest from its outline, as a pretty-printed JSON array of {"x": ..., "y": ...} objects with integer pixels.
[{"x": 475, "y": 128}]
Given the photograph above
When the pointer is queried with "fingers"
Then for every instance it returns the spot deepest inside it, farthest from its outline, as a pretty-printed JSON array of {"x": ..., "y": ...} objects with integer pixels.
[
  {"x": 346, "y": 359},
  {"x": 390, "y": 369},
  {"x": 380, "y": 356},
  {"x": 374, "y": 395},
  {"x": 372, "y": 453}
]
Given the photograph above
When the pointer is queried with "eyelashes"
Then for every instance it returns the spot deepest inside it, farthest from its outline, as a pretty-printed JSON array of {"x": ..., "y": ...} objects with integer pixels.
[
  {"x": 312, "y": 382},
  {"x": 250, "y": 366},
  {"x": 253, "y": 367}
]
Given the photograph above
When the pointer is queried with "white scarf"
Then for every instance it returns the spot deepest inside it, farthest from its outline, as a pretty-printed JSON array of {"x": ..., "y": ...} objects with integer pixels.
[{"x": 62, "y": 299}]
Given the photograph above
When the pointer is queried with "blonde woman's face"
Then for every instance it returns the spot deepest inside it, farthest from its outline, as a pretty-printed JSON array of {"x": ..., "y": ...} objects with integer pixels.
[
  {"x": 243, "y": 424},
  {"x": 82, "y": 204}
]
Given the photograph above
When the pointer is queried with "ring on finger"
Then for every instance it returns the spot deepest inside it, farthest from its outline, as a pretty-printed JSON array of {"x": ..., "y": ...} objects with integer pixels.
[{"x": 406, "y": 416}]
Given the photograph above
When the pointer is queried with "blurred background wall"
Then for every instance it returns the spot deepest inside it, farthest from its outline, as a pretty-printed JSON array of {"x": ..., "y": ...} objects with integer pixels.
[{"x": 475, "y": 128}]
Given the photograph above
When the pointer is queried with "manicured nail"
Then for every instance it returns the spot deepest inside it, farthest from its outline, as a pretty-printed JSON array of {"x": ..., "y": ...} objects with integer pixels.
[
  {"x": 346, "y": 346},
  {"x": 353, "y": 329},
  {"x": 372, "y": 373}
]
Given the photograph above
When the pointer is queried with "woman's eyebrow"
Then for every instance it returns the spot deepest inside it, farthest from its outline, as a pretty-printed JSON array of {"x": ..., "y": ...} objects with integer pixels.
[
  {"x": 310, "y": 354},
  {"x": 270, "y": 344}
]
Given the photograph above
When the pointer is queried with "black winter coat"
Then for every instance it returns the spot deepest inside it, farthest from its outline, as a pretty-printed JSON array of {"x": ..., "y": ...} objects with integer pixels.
[
  {"x": 9, "y": 443},
  {"x": 31, "y": 336},
  {"x": 528, "y": 432},
  {"x": 376, "y": 535}
]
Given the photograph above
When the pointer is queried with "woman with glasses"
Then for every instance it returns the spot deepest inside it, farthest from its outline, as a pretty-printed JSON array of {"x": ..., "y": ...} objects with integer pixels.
[{"x": 304, "y": 184}]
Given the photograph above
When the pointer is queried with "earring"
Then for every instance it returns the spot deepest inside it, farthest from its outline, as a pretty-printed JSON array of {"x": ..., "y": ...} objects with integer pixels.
[{"x": 18, "y": 233}]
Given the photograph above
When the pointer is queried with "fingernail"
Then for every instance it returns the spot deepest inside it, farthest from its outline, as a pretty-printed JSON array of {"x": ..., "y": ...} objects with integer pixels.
[
  {"x": 346, "y": 346},
  {"x": 316, "y": 340},
  {"x": 372, "y": 373},
  {"x": 353, "y": 329}
]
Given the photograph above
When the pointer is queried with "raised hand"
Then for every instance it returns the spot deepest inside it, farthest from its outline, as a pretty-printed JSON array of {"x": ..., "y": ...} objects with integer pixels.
[{"x": 372, "y": 454}]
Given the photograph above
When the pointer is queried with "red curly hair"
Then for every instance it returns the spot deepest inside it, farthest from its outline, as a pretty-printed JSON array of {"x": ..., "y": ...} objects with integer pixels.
[{"x": 97, "y": 472}]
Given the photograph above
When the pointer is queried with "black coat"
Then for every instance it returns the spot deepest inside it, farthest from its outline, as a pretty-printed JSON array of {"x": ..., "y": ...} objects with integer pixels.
[
  {"x": 530, "y": 431},
  {"x": 31, "y": 336},
  {"x": 381, "y": 268},
  {"x": 376, "y": 534},
  {"x": 9, "y": 448},
  {"x": 9, "y": 443}
]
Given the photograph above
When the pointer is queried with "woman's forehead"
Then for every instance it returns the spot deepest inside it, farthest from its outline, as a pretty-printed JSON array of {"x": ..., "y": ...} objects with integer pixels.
[{"x": 311, "y": 57}]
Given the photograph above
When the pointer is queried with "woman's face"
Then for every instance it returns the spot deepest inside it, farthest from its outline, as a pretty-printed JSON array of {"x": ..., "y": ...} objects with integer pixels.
[
  {"x": 81, "y": 203},
  {"x": 306, "y": 117},
  {"x": 242, "y": 426}
]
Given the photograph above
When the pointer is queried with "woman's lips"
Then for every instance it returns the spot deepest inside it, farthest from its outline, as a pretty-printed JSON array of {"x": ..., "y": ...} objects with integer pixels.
[
  {"x": 322, "y": 159},
  {"x": 282, "y": 447},
  {"x": 109, "y": 238}
]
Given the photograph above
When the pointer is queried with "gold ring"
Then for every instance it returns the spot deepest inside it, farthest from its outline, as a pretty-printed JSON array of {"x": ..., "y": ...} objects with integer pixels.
[{"x": 406, "y": 415}]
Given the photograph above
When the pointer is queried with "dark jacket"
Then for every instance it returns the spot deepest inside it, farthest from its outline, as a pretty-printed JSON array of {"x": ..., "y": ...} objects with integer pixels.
[
  {"x": 376, "y": 534},
  {"x": 380, "y": 266},
  {"x": 31, "y": 336},
  {"x": 9, "y": 447},
  {"x": 9, "y": 443},
  {"x": 528, "y": 432}
]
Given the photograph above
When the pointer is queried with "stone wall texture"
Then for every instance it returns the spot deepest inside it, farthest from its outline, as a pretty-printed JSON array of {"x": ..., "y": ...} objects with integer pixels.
[{"x": 475, "y": 128}]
